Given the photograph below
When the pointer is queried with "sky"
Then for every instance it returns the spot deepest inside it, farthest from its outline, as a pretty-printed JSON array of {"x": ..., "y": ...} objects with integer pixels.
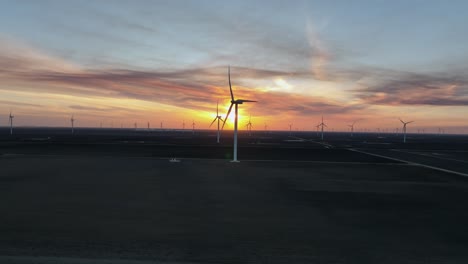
[{"x": 119, "y": 62}]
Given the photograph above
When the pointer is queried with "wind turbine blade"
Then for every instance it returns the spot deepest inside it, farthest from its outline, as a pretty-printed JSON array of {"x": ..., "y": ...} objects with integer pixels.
[
  {"x": 217, "y": 108},
  {"x": 409, "y": 122},
  {"x": 401, "y": 120},
  {"x": 246, "y": 101},
  {"x": 213, "y": 121},
  {"x": 227, "y": 115},
  {"x": 230, "y": 88}
]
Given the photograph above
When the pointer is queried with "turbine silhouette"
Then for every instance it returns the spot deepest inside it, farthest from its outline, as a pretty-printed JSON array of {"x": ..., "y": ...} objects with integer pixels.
[
  {"x": 72, "y": 120},
  {"x": 322, "y": 125},
  {"x": 352, "y": 127},
  {"x": 11, "y": 123},
  {"x": 235, "y": 103},
  {"x": 219, "y": 118},
  {"x": 404, "y": 128},
  {"x": 249, "y": 126}
]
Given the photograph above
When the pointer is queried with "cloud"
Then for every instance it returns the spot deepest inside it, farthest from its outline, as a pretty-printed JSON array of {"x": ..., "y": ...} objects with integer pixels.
[
  {"x": 194, "y": 88},
  {"x": 98, "y": 109},
  {"x": 16, "y": 103},
  {"x": 403, "y": 88}
]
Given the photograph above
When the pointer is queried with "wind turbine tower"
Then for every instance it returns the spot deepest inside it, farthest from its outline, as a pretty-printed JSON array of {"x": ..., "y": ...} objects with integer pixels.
[
  {"x": 290, "y": 129},
  {"x": 218, "y": 117},
  {"x": 235, "y": 103},
  {"x": 193, "y": 127},
  {"x": 322, "y": 125},
  {"x": 249, "y": 126},
  {"x": 72, "y": 120},
  {"x": 352, "y": 127},
  {"x": 11, "y": 123},
  {"x": 404, "y": 128}
]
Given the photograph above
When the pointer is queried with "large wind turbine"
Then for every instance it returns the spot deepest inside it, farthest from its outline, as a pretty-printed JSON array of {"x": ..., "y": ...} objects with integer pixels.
[
  {"x": 72, "y": 120},
  {"x": 236, "y": 103},
  {"x": 218, "y": 117},
  {"x": 11, "y": 123},
  {"x": 404, "y": 128},
  {"x": 322, "y": 125}
]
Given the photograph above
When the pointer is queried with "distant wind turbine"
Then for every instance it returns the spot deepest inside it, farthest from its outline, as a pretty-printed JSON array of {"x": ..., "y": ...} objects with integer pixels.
[
  {"x": 135, "y": 125},
  {"x": 11, "y": 123},
  {"x": 72, "y": 120},
  {"x": 404, "y": 128},
  {"x": 322, "y": 125},
  {"x": 235, "y": 103},
  {"x": 148, "y": 125},
  {"x": 352, "y": 127},
  {"x": 290, "y": 129},
  {"x": 219, "y": 118},
  {"x": 249, "y": 126},
  {"x": 183, "y": 124},
  {"x": 193, "y": 126}
]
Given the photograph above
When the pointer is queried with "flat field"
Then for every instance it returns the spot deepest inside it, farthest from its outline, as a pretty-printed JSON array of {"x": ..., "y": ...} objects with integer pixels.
[{"x": 106, "y": 201}]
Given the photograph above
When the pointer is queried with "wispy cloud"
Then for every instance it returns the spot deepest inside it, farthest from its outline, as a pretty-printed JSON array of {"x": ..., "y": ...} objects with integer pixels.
[
  {"x": 195, "y": 88},
  {"x": 403, "y": 88},
  {"x": 16, "y": 103}
]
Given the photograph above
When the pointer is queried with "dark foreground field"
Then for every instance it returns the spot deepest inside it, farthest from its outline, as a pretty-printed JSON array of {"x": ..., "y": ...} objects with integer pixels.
[{"x": 98, "y": 203}]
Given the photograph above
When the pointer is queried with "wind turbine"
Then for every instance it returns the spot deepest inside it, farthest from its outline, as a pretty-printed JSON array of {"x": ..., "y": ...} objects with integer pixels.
[
  {"x": 193, "y": 127},
  {"x": 11, "y": 123},
  {"x": 218, "y": 117},
  {"x": 404, "y": 128},
  {"x": 135, "y": 125},
  {"x": 249, "y": 126},
  {"x": 148, "y": 125},
  {"x": 72, "y": 120},
  {"x": 322, "y": 125},
  {"x": 183, "y": 124},
  {"x": 352, "y": 127},
  {"x": 290, "y": 129},
  {"x": 235, "y": 103}
]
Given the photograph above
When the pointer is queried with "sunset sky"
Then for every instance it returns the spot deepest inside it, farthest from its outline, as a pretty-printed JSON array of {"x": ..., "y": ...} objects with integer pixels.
[{"x": 121, "y": 62}]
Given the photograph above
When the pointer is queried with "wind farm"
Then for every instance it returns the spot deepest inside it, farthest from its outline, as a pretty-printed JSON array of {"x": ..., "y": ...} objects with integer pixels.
[
  {"x": 282, "y": 177},
  {"x": 340, "y": 132}
]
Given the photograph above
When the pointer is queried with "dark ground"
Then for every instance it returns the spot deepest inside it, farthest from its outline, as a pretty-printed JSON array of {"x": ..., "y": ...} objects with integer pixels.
[{"x": 103, "y": 195}]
